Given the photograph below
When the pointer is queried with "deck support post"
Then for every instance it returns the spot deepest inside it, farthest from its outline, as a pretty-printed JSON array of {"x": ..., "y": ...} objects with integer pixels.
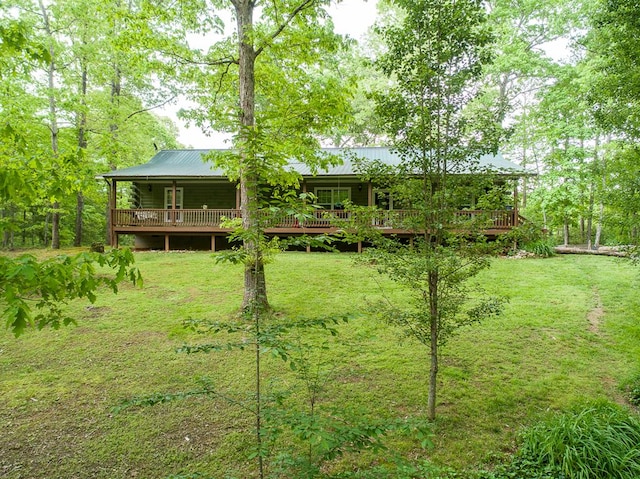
[
  {"x": 113, "y": 237},
  {"x": 359, "y": 246},
  {"x": 173, "y": 204},
  {"x": 369, "y": 193},
  {"x": 308, "y": 248},
  {"x": 166, "y": 242},
  {"x": 213, "y": 243},
  {"x": 515, "y": 204}
]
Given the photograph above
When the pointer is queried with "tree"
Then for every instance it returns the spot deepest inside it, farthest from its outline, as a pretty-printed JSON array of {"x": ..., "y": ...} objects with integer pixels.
[
  {"x": 613, "y": 53},
  {"x": 435, "y": 61},
  {"x": 275, "y": 85}
]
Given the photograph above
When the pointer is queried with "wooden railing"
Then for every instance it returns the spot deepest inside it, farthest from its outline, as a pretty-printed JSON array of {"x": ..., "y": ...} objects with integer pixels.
[{"x": 393, "y": 219}]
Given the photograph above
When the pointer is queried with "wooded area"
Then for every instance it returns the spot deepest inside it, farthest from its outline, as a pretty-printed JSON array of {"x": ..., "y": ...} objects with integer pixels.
[
  {"x": 80, "y": 84},
  {"x": 553, "y": 85}
]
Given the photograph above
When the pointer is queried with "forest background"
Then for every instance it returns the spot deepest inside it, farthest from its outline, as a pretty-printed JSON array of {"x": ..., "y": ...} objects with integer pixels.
[{"x": 82, "y": 85}]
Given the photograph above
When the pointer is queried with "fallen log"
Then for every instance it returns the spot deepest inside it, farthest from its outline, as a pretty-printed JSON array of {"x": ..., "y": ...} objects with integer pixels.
[{"x": 601, "y": 252}]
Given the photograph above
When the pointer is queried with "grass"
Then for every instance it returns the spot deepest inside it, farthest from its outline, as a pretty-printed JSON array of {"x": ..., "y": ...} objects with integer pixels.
[{"x": 58, "y": 388}]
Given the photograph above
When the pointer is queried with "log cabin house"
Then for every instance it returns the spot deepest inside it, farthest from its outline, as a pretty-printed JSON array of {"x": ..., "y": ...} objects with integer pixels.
[{"x": 177, "y": 201}]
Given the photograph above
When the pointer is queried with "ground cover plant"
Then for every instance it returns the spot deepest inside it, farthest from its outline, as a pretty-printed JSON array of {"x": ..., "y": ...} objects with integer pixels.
[{"x": 568, "y": 333}]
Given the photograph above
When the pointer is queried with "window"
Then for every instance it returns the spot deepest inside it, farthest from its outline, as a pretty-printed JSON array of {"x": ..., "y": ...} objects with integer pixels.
[
  {"x": 332, "y": 198},
  {"x": 384, "y": 200}
]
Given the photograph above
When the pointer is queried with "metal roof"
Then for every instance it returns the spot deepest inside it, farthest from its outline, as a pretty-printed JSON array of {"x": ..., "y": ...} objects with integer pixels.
[{"x": 189, "y": 164}]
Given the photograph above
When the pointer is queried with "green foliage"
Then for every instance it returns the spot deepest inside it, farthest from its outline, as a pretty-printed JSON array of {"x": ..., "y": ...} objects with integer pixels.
[
  {"x": 632, "y": 389},
  {"x": 614, "y": 60},
  {"x": 543, "y": 247},
  {"x": 34, "y": 292},
  {"x": 416, "y": 267},
  {"x": 595, "y": 441},
  {"x": 293, "y": 439}
]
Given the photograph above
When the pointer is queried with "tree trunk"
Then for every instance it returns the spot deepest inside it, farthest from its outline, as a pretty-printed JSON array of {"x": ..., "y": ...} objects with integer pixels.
[
  {"x": 53, "y": 119},
  {"x": 55, "y": 226},
  {"x": 77, "y": 240},
  {"x": 255, "y": 289},
  {"x": 116, "y": 88},
  {"x": 590, "y": 216},
  {"x": 603, "y": 173},
  {"x": 565, "y": 231},
  {"x": 433, "y": 369},
  {"x": 82, "y": 145}
]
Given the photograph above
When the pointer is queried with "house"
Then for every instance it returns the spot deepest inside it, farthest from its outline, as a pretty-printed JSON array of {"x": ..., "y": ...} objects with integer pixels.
[{"x": 178, "y": 201}]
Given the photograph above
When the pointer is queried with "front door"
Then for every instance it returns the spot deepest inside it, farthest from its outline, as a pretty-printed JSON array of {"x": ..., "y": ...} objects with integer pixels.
[{"x": 168, "y": 203}]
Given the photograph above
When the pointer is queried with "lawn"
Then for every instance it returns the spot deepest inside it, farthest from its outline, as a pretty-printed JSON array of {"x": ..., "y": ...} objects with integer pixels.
[{"x": 569, "y": 333}]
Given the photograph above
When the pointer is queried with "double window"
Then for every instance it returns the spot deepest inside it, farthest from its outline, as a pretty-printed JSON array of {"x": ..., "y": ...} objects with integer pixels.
[{"x": 332, "y": 198}]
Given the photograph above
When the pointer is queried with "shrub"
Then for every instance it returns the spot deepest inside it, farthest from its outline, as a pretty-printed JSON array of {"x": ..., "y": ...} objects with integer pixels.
[
  {"x": 543, "y": 248},
  {"x": 598, "y": 441}
]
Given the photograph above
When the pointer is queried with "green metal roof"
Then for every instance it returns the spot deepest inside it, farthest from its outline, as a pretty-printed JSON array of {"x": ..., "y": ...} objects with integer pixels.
[{"x": 188, "y": 164}]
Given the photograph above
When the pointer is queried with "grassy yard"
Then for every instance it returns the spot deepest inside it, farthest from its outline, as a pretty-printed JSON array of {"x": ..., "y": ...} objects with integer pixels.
[{"x": 570, "y": 332}]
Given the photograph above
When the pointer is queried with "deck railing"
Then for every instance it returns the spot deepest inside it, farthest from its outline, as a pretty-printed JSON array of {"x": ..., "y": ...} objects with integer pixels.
[{"x": 213, "y": 218}]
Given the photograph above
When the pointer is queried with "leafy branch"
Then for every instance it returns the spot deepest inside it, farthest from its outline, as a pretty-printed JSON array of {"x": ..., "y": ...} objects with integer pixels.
[{"x": 35, "y": 292}]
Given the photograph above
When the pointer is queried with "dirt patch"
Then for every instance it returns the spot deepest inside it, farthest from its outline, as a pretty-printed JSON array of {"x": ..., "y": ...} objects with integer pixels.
[{"x": 594, "y": 317}]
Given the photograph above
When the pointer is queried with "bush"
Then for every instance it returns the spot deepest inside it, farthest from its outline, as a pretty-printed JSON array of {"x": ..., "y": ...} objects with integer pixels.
[
  {"x": 542, "y": 248},
  {"x": 598, "y": 441}
]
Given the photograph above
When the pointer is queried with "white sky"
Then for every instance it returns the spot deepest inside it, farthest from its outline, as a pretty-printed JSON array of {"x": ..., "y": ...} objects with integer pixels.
[{"x": 350, "y": 17}]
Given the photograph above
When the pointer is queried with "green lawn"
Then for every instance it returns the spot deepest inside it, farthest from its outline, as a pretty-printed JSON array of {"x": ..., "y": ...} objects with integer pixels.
[{"x": 570, "y": 332}]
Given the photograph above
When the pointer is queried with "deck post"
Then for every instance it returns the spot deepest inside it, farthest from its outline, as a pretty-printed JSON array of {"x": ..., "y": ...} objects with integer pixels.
[
  {"x": 166, "y": 242},
  {"x": 173, "y": 204},
  {"x": 308, "y": 248},
  {"x": 237, "y": 197},
  {"x": 359, "y": 246},
  {"x": 369, "y": 193},
  {"x": 515, "y": 204},
  {"x": 113, "y": 237},
  {"x": 213, "y": 243}
]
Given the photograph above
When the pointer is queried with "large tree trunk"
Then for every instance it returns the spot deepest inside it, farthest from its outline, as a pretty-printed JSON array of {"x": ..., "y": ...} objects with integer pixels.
[{"x": 255, "y": 290}]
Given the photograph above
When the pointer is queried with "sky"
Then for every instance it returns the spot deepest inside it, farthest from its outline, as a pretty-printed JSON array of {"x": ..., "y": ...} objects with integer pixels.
[{"x": 350, "y": 17}]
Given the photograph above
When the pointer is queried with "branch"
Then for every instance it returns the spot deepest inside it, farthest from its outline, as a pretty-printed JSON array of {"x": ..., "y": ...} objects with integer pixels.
[
  {"x": 184, "y": 60},
  {"x": 224, "y": 73},
  {"x": 151, "y": 108},
  {"x": 304, "y": 5}
]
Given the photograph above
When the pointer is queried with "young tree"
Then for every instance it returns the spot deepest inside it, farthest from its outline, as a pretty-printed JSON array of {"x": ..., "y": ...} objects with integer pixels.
[{"x": 435, "y": 60}]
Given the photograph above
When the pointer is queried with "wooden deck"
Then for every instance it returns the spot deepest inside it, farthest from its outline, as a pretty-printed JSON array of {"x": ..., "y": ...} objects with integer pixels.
[{"x": 163, "y": 221}]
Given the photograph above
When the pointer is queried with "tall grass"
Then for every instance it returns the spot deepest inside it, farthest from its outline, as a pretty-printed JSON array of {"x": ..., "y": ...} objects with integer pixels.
[{"x": 597, "y": 441}]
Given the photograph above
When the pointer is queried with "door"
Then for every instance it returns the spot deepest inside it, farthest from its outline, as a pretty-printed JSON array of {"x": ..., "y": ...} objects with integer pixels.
[{"x": 168, "y": 203}]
